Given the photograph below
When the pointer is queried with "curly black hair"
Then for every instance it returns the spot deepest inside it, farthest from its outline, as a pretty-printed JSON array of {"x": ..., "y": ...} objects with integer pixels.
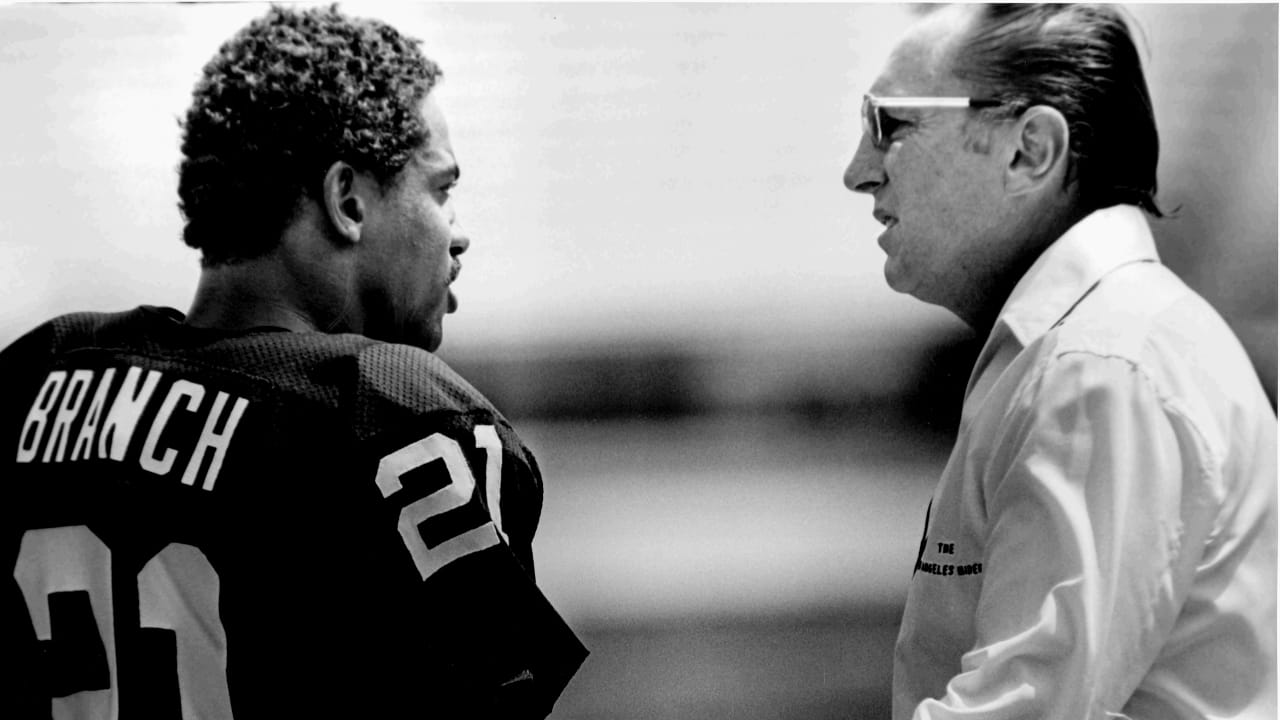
[{"x": 287, "y": 96}]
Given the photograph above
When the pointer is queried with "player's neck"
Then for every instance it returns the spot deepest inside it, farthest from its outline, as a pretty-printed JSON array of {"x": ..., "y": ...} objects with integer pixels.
[{"x": 247, "y": 295}]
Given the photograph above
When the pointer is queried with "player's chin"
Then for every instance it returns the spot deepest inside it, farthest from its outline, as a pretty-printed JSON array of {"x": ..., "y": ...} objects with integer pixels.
[
  {"x": 421, "y": 326},
  {"x": 434, "y": 342},
  {"x": 424, "y": 337},
  {"x": 428, "y": 333},
  {"x": 421, "y": 332}
]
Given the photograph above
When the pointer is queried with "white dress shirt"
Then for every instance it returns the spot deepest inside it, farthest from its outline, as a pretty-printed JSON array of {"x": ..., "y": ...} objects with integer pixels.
[{"x": 1102, "y": 543}]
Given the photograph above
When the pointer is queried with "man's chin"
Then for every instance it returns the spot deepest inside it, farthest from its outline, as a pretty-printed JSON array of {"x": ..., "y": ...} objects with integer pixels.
[
  {"x": 906, "y": 284},
  {"x": 896, "y": 277}
]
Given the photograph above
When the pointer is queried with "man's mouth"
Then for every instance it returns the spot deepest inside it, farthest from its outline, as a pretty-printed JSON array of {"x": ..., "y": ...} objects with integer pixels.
[
  {"x": 451, "y": 301},
  {"x": 884, "y": 218}
]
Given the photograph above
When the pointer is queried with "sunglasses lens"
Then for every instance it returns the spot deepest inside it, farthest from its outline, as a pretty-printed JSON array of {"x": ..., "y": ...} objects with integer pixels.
[{"x": 871, "y": 120}]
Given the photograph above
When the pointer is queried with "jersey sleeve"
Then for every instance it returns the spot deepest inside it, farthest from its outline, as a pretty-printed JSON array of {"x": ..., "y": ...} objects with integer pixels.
[{"x": 460, "y": 501}]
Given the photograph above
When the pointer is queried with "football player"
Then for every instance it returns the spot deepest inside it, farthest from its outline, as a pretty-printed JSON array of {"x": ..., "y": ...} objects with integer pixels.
[{"x": 280, "y": 504}]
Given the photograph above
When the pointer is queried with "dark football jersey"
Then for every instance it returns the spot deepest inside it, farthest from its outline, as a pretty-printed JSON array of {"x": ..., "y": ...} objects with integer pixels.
[{"x": 207, "y": 524}]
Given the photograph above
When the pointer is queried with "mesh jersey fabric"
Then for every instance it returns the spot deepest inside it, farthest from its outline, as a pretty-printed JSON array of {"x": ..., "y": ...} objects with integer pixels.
[{"x": 361, "y": 517}]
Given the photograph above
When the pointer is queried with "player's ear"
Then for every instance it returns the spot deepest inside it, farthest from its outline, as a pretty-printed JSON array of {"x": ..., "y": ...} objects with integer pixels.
[
  {"x": 1041, "y": 152},
  {"x": 343, "y": 205}
]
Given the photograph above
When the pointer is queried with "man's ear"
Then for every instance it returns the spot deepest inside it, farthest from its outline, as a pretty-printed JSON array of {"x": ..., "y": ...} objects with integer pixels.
[
  {"x": 343, "y": 205},
  {"x": 1041, "y": 151}
]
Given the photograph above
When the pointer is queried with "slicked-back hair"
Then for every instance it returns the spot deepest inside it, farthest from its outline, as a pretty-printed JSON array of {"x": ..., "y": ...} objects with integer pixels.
[
  {"x": 1081, "y": 60},
  {"x": 286, "y": 97}
]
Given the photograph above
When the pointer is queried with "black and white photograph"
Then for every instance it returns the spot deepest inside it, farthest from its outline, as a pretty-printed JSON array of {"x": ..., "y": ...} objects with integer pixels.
[{"x": 639, "y": 361}]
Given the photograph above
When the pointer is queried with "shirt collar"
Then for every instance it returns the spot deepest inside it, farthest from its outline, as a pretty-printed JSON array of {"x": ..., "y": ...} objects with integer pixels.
[{"x": 1097, "y": 244}]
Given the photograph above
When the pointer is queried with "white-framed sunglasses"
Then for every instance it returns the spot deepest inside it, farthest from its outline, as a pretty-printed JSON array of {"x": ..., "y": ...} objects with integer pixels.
[{"x": 874, "y": 121}]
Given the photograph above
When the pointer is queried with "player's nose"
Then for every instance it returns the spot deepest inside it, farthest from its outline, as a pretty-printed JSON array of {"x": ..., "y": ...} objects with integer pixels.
[{"x": 460, "y": 241}]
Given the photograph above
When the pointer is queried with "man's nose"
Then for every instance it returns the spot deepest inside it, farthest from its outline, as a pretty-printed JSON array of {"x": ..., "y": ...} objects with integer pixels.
[
  {"x": 460, "y": 241},
  {"x": 865, "y": 173}
]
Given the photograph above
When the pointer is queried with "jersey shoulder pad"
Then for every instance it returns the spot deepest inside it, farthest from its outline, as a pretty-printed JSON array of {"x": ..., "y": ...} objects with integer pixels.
[
  {"x": 33, "y": 349},
  {"x": 72, "y": 328},
  {"x": 402, "y": 384}
]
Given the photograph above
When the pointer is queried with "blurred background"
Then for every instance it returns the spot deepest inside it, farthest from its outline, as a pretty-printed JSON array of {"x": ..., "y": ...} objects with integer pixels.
[{"x": 669, "y": 291}]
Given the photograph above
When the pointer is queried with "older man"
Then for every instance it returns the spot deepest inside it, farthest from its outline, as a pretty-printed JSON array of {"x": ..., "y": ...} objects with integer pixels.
[
  {"x": 1102, "y": 543},
  {"x": 280, "y": 504}
]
